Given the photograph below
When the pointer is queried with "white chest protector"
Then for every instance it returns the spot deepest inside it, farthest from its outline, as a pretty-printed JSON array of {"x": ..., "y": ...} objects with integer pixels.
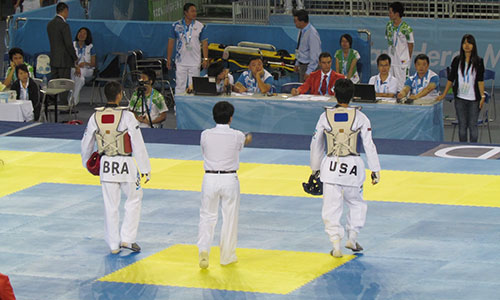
[
  {"x": 110, "y": 141},
  {"x": 341, "y": 139}
]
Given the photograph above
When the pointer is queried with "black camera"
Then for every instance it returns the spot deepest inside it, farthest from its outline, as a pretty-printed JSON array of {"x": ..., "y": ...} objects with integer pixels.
[{"x": 141, "y": 86}]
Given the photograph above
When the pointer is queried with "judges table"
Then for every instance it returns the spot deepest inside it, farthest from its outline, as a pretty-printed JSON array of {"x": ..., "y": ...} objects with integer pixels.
[
  {"x": 20, "y": 111},
  {"x": 277, "y": 114}
]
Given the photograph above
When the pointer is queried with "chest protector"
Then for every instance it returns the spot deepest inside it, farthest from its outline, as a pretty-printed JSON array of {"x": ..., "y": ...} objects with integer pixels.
[
  {"x": 110, "y": 141},
  {"x": 341, "y": 140}
]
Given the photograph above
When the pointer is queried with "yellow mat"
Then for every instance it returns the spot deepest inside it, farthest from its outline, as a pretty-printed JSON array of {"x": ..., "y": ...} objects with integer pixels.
[
  {"x": 24, "y": 169},
  {"x": 262, "y": 271}
]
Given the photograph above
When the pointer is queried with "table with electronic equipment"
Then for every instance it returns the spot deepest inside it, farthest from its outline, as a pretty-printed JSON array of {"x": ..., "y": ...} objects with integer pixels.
[{"x": 421, "y": 120}]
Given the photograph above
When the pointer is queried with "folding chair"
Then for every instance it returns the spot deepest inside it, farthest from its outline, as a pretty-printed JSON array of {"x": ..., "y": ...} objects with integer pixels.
[
  {"x": 490, "y": 75},
  {"x": 287, "y": 87},
  {"x": 483, "y": 120},
  {"x": 115, "y": 71},
  {"x": 55, "y": 88}
]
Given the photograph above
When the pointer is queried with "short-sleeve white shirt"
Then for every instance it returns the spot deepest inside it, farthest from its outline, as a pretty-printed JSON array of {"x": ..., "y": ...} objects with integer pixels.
[
  {"x": 220, "y": 147},
  {"x": 389, "y": 86}
]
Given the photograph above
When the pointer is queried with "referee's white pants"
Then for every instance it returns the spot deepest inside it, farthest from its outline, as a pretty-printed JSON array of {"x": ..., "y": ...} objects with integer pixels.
[
  {"x": 333, "y": 203},
  {"x": 111, "y": 192},
  {"x": 401, "y": 73},
  {"x": 184, "y": 77},
  {"x": 223, "y": 188}
]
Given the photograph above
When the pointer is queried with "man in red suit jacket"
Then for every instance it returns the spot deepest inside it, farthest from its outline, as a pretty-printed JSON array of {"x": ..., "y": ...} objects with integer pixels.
[
  {"x": 6, "y": 292},
  {"x": 320, "y": 82}
]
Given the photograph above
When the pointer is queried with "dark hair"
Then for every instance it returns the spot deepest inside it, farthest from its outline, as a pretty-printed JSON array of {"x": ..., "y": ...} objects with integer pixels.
[
  {"x": 397, "y": 7},
  {"x": 151, "y": 75},
  {"x": 23, "y": 67},
  {"x": 187, "y": 6},
  {"x": 422, "y": 57},
  {"x": 61, "y": 6},
  {"x": 88, "y": 40},
  {"x": 112, "y": 89},
  {"x": 15, "y": 51},
  {"x": 301, "y": 15},
  {"x": 223, "y": 111},
  {"x": 324, "y": 54},
  {"x": 382, "y": 57},
  {"x": 474, "y": 58},
  {"x": 215, "y": 69},
  {"x": 254, "y": 58},
  {"x": 344, "y": 90},
  {"x": 348, "y": 37}
]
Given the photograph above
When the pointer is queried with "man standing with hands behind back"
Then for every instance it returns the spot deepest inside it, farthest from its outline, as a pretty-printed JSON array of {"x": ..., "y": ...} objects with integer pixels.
[
  {"x": 187, "y": 34},
  {"x": 62, "y": 53},
  {"x": 308, "y": 45}
]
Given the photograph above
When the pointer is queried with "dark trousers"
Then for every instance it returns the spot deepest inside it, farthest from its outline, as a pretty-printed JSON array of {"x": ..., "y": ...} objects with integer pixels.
[{"x": 467, "y": 114}]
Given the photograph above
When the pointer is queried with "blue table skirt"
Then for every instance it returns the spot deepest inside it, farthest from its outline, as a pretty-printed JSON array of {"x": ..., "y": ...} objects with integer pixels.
[{"x": 389, "y": 121}]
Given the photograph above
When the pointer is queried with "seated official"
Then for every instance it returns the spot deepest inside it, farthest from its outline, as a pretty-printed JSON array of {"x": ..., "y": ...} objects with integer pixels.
[
  {"x": 385, "y": 84},
  {"x": 27, "y": 89},
  {"x": 320, "y": 82},
  {"x": 16, "y": 57},
  {"x": 423, "y": 84},
  {"x": 256, "y": 79},
  {"x": 155, "y": 102},
  {"x": 224, "y": 81}
]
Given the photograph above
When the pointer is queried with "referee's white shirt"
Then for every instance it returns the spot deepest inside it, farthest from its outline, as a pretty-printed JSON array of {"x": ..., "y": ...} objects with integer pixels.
[{"x": 220, "y": 147}]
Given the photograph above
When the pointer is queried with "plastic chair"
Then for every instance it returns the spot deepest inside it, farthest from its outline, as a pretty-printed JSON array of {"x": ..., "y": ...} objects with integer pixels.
[
  {"x": 490, "y": 75},
  {"x": 482, "y": 121},
  {"x": 287, "y": 87}
]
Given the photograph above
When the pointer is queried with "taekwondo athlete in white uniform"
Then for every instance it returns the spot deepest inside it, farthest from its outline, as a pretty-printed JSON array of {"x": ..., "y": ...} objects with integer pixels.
[
  {"x": 340, "y": 168},
  {"x": 119, "y": 141},
  {"x": 220, "y": 147}
]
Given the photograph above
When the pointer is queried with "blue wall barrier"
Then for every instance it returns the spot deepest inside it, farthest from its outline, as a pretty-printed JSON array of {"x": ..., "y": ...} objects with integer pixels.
[
  {"x": 152, "y": 37},
  {"x": 438, "y": 38}
]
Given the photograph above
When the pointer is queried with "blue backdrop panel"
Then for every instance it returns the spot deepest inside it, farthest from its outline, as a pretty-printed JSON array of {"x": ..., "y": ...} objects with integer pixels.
[
  {"x": 389, "y": 121},
  {"x": 438, "y": 38},
  {"x": 152, "y": 37}
]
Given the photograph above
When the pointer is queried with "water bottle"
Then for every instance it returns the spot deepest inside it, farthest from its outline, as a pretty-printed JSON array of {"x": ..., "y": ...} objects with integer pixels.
[{"x": 44, "y": 82}]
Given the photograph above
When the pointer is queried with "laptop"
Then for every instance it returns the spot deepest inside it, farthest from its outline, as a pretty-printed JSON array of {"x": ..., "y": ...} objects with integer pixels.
[
  {"x": 364, "y": 93},
  {"x": 204, "y": 86}
]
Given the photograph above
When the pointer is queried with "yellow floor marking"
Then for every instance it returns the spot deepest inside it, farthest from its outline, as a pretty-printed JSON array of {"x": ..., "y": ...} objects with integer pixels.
[
  {"x": 22, "y": 170},
  {"x": 257, "y": 270}
]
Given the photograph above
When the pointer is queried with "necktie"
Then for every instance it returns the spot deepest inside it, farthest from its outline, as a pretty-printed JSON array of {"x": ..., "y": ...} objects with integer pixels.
[
  {"x": 300, "y": 36},
  {"x": 324, "y": 85}
]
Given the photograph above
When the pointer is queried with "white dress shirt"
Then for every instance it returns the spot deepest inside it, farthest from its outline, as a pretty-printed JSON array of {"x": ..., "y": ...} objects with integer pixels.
[
  {"x": 24, "y": 95},
  {"x": 220, "y": 147}
]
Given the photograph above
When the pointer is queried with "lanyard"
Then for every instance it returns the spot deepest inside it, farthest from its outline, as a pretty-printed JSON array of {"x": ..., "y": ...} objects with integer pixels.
[
  {"x": 379, "y": 85},
  {"x": 151, "y": 101},
  {"x": 467, "y": 73},
  {"x": 186, "y": 27},
  {"x": 81, "y": 53},
  {"x": 420, "y": 82},
  {"x": 395, "y": 41},
  {"x": 321, "y": 83}
]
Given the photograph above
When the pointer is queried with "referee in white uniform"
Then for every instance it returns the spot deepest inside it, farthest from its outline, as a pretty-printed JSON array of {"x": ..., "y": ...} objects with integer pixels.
[{"x": 220, "y": 147}]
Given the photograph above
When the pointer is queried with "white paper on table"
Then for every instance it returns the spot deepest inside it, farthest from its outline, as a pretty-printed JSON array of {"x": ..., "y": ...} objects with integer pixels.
[
  {"x": 387, "y": 99},
  {"x": 305, "y": 97}
]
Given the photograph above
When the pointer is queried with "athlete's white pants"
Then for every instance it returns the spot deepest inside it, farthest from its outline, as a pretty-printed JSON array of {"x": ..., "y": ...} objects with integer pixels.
[
  {"x": 333, "y": 204},
  {"x": 80, "y": 81},
  {"x": 223, "y": 188},
  {"x": 401, "y": 73},
  {"x": 111, "y": 192},
  {"x": 184, "y": 77}
]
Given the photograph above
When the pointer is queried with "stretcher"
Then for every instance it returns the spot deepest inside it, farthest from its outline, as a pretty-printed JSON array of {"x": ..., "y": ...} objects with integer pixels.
[{"x": 241, "y": 54}]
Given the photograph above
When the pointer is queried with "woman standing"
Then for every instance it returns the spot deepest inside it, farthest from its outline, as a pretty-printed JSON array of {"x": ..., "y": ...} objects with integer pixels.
[
  {"x": 86, "y": 60},
  {"x": 466, "y": 76},
  {"x": 346, "y": 59}
]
